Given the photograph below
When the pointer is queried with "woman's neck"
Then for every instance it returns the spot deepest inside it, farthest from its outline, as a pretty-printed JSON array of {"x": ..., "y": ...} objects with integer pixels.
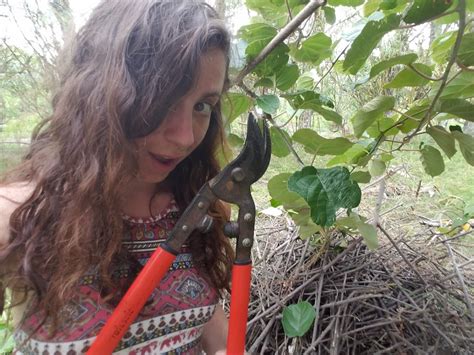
[{"x": 145, "y": 199}]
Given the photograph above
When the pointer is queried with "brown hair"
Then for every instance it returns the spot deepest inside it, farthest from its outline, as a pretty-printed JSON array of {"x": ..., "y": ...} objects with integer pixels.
[{"x": 127, "y": 66}]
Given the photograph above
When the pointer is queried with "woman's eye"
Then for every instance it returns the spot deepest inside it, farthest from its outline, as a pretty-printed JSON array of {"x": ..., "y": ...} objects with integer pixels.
[{"x": 203, "y": 107}]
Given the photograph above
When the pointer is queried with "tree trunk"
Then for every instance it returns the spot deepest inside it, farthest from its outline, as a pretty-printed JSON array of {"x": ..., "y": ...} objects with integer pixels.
[{"x": 220, "y": 8}]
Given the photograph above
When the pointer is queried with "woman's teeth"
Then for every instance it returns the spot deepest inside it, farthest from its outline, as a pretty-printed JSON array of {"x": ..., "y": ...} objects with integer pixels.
[{"x": 162, "y": 159}]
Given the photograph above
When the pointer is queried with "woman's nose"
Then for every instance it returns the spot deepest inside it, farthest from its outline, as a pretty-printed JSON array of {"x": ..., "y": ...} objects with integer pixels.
[{"x": 179, "y": 126}]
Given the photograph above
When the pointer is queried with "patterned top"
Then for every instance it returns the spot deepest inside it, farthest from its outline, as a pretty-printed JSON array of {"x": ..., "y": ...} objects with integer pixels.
[{"x": 171, "y": 322}]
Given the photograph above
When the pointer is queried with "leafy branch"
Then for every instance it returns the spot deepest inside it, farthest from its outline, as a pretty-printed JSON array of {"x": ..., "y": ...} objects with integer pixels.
[
  {"x": 461, "y": 9},
  {"x": 307, "y": 11}
]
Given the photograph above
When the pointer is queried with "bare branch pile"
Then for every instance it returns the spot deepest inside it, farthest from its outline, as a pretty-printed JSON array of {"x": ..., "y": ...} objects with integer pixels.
[{"x": 412, "y": 295}]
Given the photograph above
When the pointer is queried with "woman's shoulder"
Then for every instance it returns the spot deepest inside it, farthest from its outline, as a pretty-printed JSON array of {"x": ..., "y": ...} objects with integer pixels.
[{"x": 11, "y": 196}]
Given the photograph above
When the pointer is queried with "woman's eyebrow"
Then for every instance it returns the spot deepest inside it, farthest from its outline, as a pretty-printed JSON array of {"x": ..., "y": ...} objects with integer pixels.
[{"x": 213, "y": 94}]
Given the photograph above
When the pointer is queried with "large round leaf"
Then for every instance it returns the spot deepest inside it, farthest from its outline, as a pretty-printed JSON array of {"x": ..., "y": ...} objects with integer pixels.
[
  {"x": 442, "y": 46},
  {"x": 325, "y": 191},
  {"x": 370, "y": 112},
  {"x": 278, "y": 190},
  {"x": 234, "y": 104},
  {"x": 315, "y": 144},
  {"x": 458, "y": 107},
  {"x": 444, "y": 139},
  {"x": 461, "y": 87},
  {"x": 377, "y": 167},
  {"x": 287, "y": 76},
  {"x": 432, "y": 160},
  {"x": 409, "y": 77},
  {"x": 279, "y": 144},
  {"x": 313, "y": 50},
  {"x": 298, "y": 318},
  {"x": 423, "y": 10},
  {"x": 466, "y": 145},
  {"x": 367, "y": 40},
  {"x": 388, "y": 63},
  {"x": 268, "y": 103},
  {"x": 369, "y": 234}
]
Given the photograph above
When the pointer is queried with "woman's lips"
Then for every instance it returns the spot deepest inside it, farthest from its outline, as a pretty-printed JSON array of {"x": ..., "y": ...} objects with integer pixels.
[{"x": 165, "y": 161}]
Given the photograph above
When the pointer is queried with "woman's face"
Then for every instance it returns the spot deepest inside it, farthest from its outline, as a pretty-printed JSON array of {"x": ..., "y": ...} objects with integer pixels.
[{"x": 186, "y": 123}]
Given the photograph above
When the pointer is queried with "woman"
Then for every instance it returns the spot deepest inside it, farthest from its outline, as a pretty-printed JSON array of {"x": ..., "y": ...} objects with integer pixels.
[{"x": 134, "y": 133}]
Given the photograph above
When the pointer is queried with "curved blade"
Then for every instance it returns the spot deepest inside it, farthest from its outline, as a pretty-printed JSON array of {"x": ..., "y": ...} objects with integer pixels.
[
  {"x": 248, "y": 167},
  {"x": 255, "y": 155}
]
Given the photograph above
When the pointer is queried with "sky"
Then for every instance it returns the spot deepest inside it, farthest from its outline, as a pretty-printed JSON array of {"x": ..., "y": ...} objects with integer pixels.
[{"x": 18, "y": 30}]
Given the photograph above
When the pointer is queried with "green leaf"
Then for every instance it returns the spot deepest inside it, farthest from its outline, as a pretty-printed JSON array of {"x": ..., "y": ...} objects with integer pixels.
[
  {"x": 329, "y": 14},
  {"x": 462, "y": 87},
  {"x": 307, "y": 230},
  {"x": 370, "y": 7},
  {"x": 377, "y": 167},
  {"x": 444, "y": 139},
  {"x": 325, "y": 191},
  {"x": 447, "y": 19},
  {"x": 279, "y": 146},
  {"x": 423, "y": 10},
  {"x": 278, "y": 190},
  {"x": 362, "y": 177},
  {"x": 257, "y": 32},
  {"x": 385, "y": 64},
  {"x": 382, "y": 125},
  {"x": 273, "y": 11},
  {"x": 367, "y": 40},
  {"x": 470, "y": 6},
  {"x": 264, "y": 82},
  {"x": 416, "y": 113},
  {"x": 370, "y": 112},
  {"x": 277, "y": 59},
  {"x": 388, "y": 4},
  {"x": 306, "y": 99},
  {"x": 386, "y": 157},
  {"x": 235, "y": 141},
  {"x": 350, "y": 156},
  {"x": 458, "y": 107},
  {"x": 432, "y": 160},
  {"x": 327, "y": 114},
  {"x": 304, "y": 82},
  {"x": 369, "y": 233},
  {"x": 309, "y": 100},
  {"x": 298, "y": 318},
  {"x": 313, "y": 50},
  {"x": 442, "y": 46},
  {"x": 287, "y": 76},
  {"x": 352, "y": 3},
  {"x": 234, "y": 104},
  {"x": 317, "y": 145},
  {"x": 349, "y": 222},
  {"x": 408, "y": 77},
  {"x": 268, "y": 103},
  {"x": 466, "y": 145}
]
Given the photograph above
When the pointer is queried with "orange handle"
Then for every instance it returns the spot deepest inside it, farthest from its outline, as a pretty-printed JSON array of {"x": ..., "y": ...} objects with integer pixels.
[
  {"x": 133, "y": 301},
  {"x": 239, "y": 304}
]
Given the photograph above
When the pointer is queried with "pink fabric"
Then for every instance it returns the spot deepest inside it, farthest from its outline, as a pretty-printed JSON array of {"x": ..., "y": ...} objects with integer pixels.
[{"x": 171, "y": 321}]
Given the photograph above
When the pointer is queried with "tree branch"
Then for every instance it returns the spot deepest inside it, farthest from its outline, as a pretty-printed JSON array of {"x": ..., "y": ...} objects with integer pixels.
[
  {"x": 462, "y": 24},
  {"x": 307, "y": 11},
  {"x": 412, "y": 67},
  {"x": 272, "y": 121}
]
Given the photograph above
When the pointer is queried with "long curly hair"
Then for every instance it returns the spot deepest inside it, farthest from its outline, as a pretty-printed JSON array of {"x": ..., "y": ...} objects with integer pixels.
[{"x": 129, "y": 63}]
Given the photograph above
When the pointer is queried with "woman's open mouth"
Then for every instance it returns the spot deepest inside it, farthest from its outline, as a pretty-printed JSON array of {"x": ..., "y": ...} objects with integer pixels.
[{"x": 164, "y": 160}]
